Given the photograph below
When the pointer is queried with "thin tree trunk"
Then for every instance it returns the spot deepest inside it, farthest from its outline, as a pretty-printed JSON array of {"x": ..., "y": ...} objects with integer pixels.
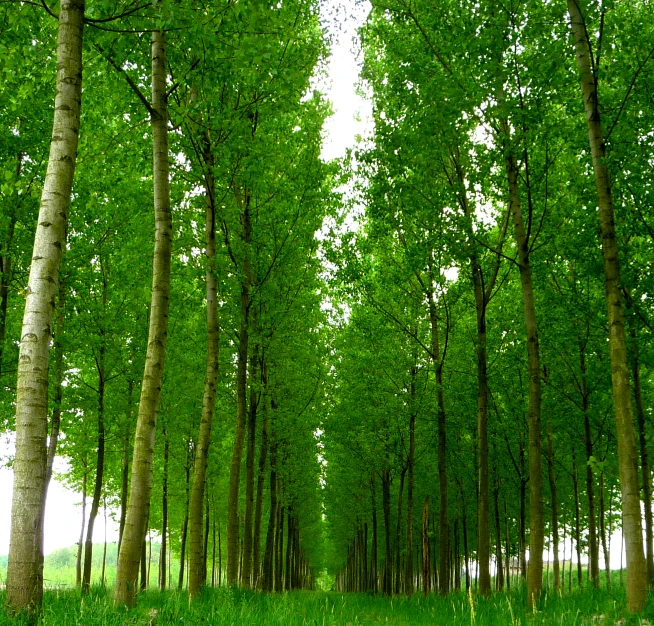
[
  {"x": 261, "y": 478},
  {"x": 197, "y": 562},
  {"x": 398, "y": 532},
  {"x": 124, "y": 483},
  {"x": 425, "y": 548},
  {"x": 141, "y": 485},
  {"x": 644, "y": 462},
  {"x": 499, "y": 581},
  {"x": 555, "y": 505},
  {"x": 602, "y": 525},
  {"x": 627, "y": 455},
  {"x": 575, "y": 484},
  {"x": 386, "y": 507},
  {"x": 213, "y": 547},
  {"x": 104, "y": 551},
  {"x": 593, "y": 547},
  {"x": 536, "y": 524},
  {"x": 246, "y": 573},
  {"x": 99, "y": 471},
  {"x": 443, "y": 527},
  {"x": 374, "y": 550},
  {"x": 182, "y": 557},
  {"x": 408, "y": 574},
  {"x": 25, "y": 564},
  {"x": 55, "y": 422},
  {"x": 80, "y": 543},
  {"x": 163, "y": 579}
]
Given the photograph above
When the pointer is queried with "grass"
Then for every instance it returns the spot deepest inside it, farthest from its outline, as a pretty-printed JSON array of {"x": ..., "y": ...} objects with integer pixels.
[{"x": 236, "y": 607}]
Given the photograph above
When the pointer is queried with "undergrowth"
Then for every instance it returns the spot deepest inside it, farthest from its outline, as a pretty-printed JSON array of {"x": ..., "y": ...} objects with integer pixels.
[{"x": 236, "y": 607}]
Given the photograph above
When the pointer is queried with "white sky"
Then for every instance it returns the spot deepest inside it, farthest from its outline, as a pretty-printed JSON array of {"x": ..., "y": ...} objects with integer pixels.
[{"x": 352, "y": 118}]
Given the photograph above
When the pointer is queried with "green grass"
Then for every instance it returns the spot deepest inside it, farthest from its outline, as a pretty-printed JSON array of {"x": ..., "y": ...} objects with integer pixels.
[{"x": 234, "y": 607}]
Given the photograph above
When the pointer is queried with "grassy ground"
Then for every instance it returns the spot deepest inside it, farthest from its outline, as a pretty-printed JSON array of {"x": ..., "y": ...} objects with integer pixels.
[{"x": 233, "y": 607}]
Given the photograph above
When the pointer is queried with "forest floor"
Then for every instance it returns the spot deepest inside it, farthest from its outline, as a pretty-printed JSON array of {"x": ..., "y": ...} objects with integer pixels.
[{"x": 234, "y": 607}]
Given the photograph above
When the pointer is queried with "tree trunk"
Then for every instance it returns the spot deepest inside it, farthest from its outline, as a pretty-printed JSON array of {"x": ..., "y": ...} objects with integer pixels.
[
  {"x": 99, "y": 471},
  {"x": 408, "y": 574},
  {"x": 124, "y": 483},
  {"x": 555, "y": 504},
  {"x": 386, "y": 506},
  {"x": 602, "y": 525},
  {"x": 268, "y": 555},
  {"x": 374, "y": 580},
  {"x": 104, "y": 551},
  {"x": 279, "y": 549},
  {"x": 246, "y": 573},
  {"x": 593, "y": 546},
  {"x": 536, "y": 524},
  {"x": 182, "y": 553},
  {"x": 261, "y": 478},
  {"x": 499, "y": 581},
  {"x": 207, "y": 526},
  {"x": 241, "y": 403},
  {"x": 644, "y": 462},
  {"x": 80, "y": 543},
  {"x": 197, "y": 566},
  {"x": 141, "y": 485},
  {"x": 55, "y": 422},
  {"x": 443, "y": 528},
  {"x": 398, "y": 532},
  {"x": 99, "y": 475},
  {"x": 25, "y": 564},
  {"x": 575, "y": 484},
  {"x": 425, "y": 548},
  {"x": 627, "y": 455},
  {"x": 164, "y": 513}
]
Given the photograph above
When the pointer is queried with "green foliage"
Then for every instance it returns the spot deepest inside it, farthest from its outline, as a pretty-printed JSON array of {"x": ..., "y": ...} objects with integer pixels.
[{"x": 233, "y": 607}]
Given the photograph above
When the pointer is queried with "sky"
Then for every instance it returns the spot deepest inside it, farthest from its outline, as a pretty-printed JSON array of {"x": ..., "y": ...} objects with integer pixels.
[{"x": 352, "y": 117}]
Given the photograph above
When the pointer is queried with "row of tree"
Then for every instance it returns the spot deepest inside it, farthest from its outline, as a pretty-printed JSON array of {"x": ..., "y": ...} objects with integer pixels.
[
  {"x": 205, "y": 118},
  {"x": 489, "y": 395}
]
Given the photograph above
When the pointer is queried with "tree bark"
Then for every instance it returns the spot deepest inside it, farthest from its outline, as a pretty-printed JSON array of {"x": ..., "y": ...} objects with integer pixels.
[
  {"x": 374, "y": 579},
  {"x": 268, "y": 556},
  {"x": 99, "y": 468},
  {"x": 241, "y": 401},
  {"x": 499, "y": 581},
  {"x": 575, "y": 484},
  {"x": 164, "y": 514},
  {"x": 386, "y": 506},
  {"x": 425, "y": 548},
  {"x": 80, "y": 543},
  {"x": 184, "y": 534},
  {"x": 644, "y": 462},
  {"x": 141, "y": 485},
  {"x": 555, "y": 504},
  {"x": 197, "y": 568},
  {"x": 627, "y": 454},
  {"x": 55, "y": 422},
  {"x": 408, "y": 574},
  {"x": 443, "y": 527},
  {"x": 536, "y": 524},
  {"x": 246, "y": 572},
  {"x": 398, "y": 533},
  {"x": 25, "y": 564},
  {"x": 593, "y": 547},
  {"x": 124, "y": 483},
  {"x": 258, "y": 509}
]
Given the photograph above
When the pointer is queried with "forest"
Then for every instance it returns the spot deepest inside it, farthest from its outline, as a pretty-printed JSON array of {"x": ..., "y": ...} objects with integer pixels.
[{"x": 422, "y": 373}]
